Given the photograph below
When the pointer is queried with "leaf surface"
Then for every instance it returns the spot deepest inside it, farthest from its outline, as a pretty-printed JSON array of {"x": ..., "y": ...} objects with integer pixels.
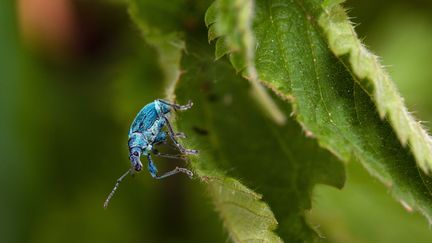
[{"x": 293, "y": 59}]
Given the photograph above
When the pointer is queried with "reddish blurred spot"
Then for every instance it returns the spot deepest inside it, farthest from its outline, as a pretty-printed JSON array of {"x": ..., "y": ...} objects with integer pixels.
[{"x": 50, "y": 25}]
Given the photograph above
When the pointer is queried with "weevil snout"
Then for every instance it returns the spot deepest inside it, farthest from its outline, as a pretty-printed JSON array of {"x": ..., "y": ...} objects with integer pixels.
[
  {"x": 138, "y": 166},
  {"x": 135, "y": 160}
]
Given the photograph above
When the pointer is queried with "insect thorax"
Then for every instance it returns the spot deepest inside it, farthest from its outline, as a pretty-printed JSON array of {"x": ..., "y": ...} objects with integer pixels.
[
  {"x": 137, "y": 139},
  {"x": 162, "y": 108}
]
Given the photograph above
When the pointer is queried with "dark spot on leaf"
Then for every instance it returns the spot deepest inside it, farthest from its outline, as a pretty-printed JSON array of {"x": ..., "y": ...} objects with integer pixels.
[
  {"x": 213, "y": 98},
  {"x": 200, "y": 131}
]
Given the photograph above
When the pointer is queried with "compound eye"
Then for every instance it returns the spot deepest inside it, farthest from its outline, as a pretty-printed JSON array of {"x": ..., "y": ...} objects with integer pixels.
[{"x": 135, "y": 153}]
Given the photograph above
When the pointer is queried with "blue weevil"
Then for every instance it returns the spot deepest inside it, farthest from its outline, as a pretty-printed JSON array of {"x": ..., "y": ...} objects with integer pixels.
[{"x": 146, "y": 132}]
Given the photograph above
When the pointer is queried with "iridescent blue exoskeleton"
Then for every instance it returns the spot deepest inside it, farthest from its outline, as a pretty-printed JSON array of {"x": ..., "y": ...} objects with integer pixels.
[{"x": 145, "y": 132}]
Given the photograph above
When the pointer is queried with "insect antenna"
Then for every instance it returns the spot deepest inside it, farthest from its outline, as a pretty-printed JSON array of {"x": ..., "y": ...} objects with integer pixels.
[{"x": 119, "y": 180}]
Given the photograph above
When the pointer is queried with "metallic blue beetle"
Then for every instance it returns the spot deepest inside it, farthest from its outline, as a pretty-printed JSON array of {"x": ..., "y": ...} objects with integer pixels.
[{"x": 146, "y": 132}]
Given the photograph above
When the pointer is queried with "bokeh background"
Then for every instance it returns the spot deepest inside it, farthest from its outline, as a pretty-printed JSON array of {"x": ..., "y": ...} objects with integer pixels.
[{"x": 71, "y": 80}]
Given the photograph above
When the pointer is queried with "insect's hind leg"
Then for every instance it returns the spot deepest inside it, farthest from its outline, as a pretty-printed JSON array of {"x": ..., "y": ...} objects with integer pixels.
[
  {"x": 177, "y": 106},
  {"x": 175, "y": 171},
  {"x": 172, "y": 134},
  {"x": 153, "y": 171}
]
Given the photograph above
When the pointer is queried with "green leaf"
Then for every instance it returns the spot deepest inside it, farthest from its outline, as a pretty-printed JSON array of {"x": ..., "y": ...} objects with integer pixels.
[
  {"x": 232, "y": 19},
  {"x": 390, "y": 37},
  {"x": 293, "y": 59},
  {"x": 245, "y": 216},
  {"x": 368, "y": 72},
  {"x": 342, "y": 218},
  {"x": 236, "y": 140}
]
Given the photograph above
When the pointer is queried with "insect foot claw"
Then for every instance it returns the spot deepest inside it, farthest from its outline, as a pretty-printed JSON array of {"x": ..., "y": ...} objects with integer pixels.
[
  {"x": 186, "y": 171},
  {"x": 184, "y": 107},
  {"x": 180, "y": 135},
  {"x": 190, "y": 103},
  {"x": 190, "y": 151}
]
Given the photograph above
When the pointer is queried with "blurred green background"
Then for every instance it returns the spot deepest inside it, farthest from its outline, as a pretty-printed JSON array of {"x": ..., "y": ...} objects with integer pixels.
[{"x": 72, "y": 76}]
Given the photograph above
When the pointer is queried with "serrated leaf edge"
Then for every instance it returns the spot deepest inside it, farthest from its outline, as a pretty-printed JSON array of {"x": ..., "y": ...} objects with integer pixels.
[{"x": 343, "y": 40}]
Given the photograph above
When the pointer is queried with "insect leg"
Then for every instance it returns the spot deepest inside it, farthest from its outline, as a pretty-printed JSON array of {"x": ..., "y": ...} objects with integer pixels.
[
  {"x": 170, "y": 156},
  {"x": 153, "y": 170},
  {"x": 164, "y": 142},
  {"x": 160, "y": 137},
  {"x": 151, "y": 167},
  {"x": 175, "y": 171},
  {"x": 177, "y": 144},
  {"x": 177, "y": 106},
  {"x": 180, "y": 135},
  {"x": 167, "y": 144}
]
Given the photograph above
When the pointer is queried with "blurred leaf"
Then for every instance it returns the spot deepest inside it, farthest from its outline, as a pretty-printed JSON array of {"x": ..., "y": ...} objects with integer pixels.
[
  {"x": 237, "y": 141},
  {"x": 11, "y": 63},
  {"x": 293, "y": 59},
  {"x": 365, "y": 212}
]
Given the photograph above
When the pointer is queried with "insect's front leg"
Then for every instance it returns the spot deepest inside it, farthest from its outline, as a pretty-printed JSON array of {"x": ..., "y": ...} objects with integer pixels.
[
  {"x": 177, "y": 144},
  {"x": 177, "y": 106},
  {"x": 151, "y": 167}
]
